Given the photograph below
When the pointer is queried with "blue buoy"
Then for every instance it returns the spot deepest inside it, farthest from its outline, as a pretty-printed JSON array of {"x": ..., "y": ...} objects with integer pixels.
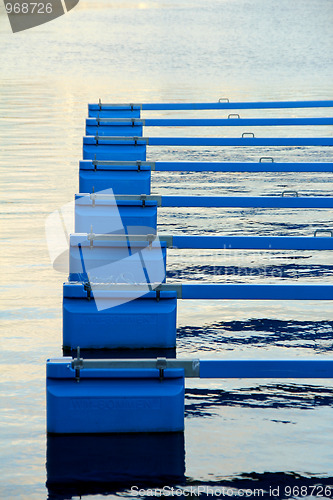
[{"x": 113, "y": 401}]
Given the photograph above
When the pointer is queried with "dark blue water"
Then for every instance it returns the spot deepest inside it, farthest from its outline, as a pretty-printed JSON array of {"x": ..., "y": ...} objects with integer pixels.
[{"x": 270, "y": 435}]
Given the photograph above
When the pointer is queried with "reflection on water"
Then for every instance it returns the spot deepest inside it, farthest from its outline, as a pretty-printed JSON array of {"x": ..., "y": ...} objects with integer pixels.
[
  {"x": 88, "y": 464},
  {"x": 237, "y": 432}
]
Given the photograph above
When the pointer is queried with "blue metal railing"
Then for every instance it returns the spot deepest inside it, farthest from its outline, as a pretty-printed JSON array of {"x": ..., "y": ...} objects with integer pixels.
[
  {"x": 265, "y": 164},
  {"x": 245, "y": 140},
  {"x": 294, "y": 201},
  {"x": 223, "y": 103}
]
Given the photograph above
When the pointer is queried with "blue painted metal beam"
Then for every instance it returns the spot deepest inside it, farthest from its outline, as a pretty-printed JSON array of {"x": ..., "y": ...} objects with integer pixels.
[
  {"x": 266, "y": 164},
  {"x": 230, "y": 201},
  {"x": 209, "y": 141},
  {"x": 222, "y": 104},
  {"x": 266, "y": 368},
  {"x": 215, "y": 242},
  {"x": 252, "y": 242},
  {"x": 98, "y": 123},
  {"x": 254, "y": 292},
  {"x": 213, "y": 368}
]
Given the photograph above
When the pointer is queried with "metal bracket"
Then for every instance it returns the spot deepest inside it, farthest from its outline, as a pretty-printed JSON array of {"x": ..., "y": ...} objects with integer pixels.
[
  {"x": 318, "y": 231},
  {"x": 235, "y": 115},
  {"x": 174, "y": 287},
  {"x": 244, "y": 134},
  {"x": 78, "y": 364},
  {"x": 223, "y": 99},
  {"x": 266, "y": 158},
  {"x": 91, "y": 237},
  {"x": 161, "y": 364},
  {"x": 293, "y": 194},
  {"x": 95, "y": 163},
  {"x": 191, "y": 367},
  {"x": 87, "y": 288},
  {"x": 100, "y": 103},
  {"x": 138, "y": 165},
  {"x": 93, "y": 197}
]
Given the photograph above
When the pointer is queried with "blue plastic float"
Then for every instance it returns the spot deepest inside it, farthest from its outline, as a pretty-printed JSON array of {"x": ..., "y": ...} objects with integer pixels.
[
  {"x": 99, "y": 318},
  {"x": 107, "y": 400},
  {"x": 122, "y": 179},
  {"x": 101, "y": 213},
  {"x": 99, "y": 258}
]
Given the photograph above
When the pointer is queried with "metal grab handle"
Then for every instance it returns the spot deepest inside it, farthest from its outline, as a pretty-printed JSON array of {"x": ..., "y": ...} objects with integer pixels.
[
  {"x": 236, "y": 115},
  {"x": 223, "y": 99},
  {"x": 318, "y": 231},
  {"x": 266, "y": 158},
  {"x": 290, "y": 193},
  {"x": 244, "y": 134}
]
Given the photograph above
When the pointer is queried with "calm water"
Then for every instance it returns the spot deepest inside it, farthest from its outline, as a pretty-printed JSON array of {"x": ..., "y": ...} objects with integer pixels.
[{"x": 245, "y": 434}]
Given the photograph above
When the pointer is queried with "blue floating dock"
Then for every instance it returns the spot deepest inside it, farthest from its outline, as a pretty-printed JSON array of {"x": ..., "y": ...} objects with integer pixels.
[
  {"x": 96, "y": 177},
  {"x": 103, "y": 214},
  {"x": 108, "y": 400},
  {"x": 117, "y": 297},
  {"x": 147, "y": 395},
  {"x": 106, "y": 319},
  {"x": 91, "y": 258}
]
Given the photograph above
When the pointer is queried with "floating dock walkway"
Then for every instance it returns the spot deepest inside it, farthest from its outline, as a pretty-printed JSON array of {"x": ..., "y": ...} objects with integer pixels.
[{"x": 117, "y": 295}]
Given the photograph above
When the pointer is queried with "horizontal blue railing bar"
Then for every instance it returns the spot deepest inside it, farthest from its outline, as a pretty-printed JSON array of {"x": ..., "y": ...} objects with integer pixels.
[
  {"x": 226, "y": 201},
  {"x": 214, "y": 242},
  {"x": 188, "y": 291},
  {"x": 265, "y": 165},
  {"x": 264, "y": 368},
  {"x": 210, "y": 141},
  {"x": 215, "y": 291},
  {"x": 250, "y": 201},
  {"x": 252, "y": 242},
  {"x": 214, "y": 368},
  {"x": 224, "y": 104},
  {"x": 207, "y": 122}
]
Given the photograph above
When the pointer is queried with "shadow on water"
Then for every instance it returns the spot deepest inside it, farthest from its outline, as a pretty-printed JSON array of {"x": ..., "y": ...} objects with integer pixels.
[
  {"x": 282, "y": 271},
  {"x": 314, "y": 335},
  {"x": 203, "y": 402}
]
